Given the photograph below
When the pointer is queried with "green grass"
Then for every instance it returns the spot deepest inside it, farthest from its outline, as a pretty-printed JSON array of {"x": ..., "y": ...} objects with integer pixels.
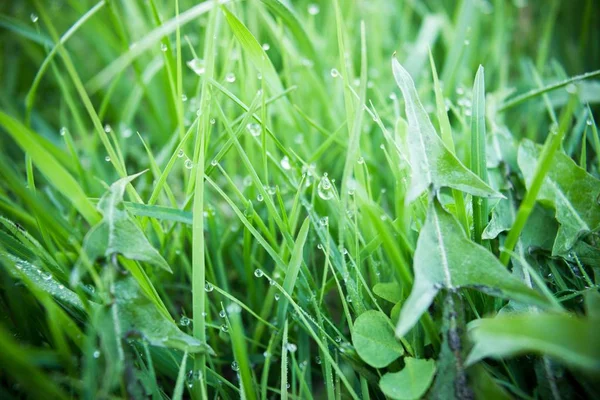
[{"x": 301, "y": 200}]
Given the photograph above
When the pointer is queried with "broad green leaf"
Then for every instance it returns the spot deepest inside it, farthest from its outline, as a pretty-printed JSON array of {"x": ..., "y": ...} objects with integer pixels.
[
  {"x": 451, "y": 380},
  {"x": 446, "y": 258},
  {"x": 118, "y": 232},
  {"x": 431, "y": 162},
  {"x": 572, "y": 339},
  {"x": 411, "y": 382},
  {"x": 569, "y": 189},
  {"x": 374, "y": 340},
  {"x": 138, "y": 314},
  {"x": 503, "y": 217},
  {"x": 390, "y": 291}
]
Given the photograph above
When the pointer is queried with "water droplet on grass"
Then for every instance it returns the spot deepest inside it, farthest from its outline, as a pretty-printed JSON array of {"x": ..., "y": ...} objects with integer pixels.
[
  {"x": 163, "y": 47},
  {"x": 34, "y": 17},
  {"x": 258, "y": 273},
  {"x": 197, "y": 65},
  {"x": 291, "y": 347},
  {"x": 96, "y": 354},
  {"x": 254, "y": 129},
  {"x": 235, "y": 366},
  {"x": 230, "y": 77},
  {"x": 313, "y": 9},
  {"x": 180, "y": 153},
  {"x": 209, "y": 287},
  {"x": 222, "y": 314},
  {"x": 285, "y": 163},
  {"x": 324, "y": 221},
  {"x": 184, "y": 97},
  {"x": 107, "y": 159},
  {"x": 334, "y": 73},
  {"x": 189, "y": 164},
  {"x": 325, "y": 189},
  {"x": 266, "y": 46},
  {"x": 184, "y": 321}
]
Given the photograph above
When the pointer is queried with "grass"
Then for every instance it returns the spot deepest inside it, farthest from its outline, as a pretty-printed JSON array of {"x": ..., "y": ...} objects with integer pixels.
[{"x": 315, "y": 212}]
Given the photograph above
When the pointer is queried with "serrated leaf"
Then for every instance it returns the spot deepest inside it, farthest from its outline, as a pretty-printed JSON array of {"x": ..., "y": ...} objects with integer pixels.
[
  {"x": 569, "y": 189},
  {"x": 571, "y": 339},
  {"x": 118, "y": 232},
  {"x": 374, "y": 340},
  {"x": 431, "y": 162},
  {"x": 411, "y": 382},
  {"x": 138, "y": 314},
  {"x": 446, "y": 258},
  {"x": 390, "y": 291}
]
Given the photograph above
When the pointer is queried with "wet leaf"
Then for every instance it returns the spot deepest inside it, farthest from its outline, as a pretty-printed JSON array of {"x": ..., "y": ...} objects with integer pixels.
[
  {"x": 373, "y": 338},
  {"x": 446, "y": 258},
  {"x": 411, "y": 382},
  {"x": 571, "y": 339},
  {"x": 569, "y": 189},
  {"x": 138, "y": 314},
  {"x": 431, "y": 162},
  {"x": 390, "y": 291},
  {"x": 118, "y": 232}
]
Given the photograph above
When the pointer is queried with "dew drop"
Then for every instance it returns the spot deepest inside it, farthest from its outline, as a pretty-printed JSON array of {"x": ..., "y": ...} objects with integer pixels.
[
  {"x": 107, "y": 128},
  {"x": 235, "y": 366},
  {"x": 184, "y": 321},
  {"x": 313, "y": 9},
  {"x": 285, "y": 163},
  {"x": 254, "y": 129},
  {"x": 197, "y": 65},
  {"x": 163, "y": 47},
  {"x": 291, "y": 347},
  {"x": 96, "y": 354},
  {"x": 266, "y": 46},
  {"x": 334, "y": 73},
  {"x": 224, "y": 328},
  {"x": 276, "y": 296},
  {"x": 107, "y": 159},
  {"x": 258, "y": 273},
  {"x": 325, "y": 188},
  {"x": 234, "y": 308},
  {"x": 222, "y": 314},
  {"x": 208, "y": 287},
  {"x": 230, "y": 77},
  {"x": 184, "y": 97},
  {"x": 467, "y": 42},
  {"x": 180, "y": 153},
  {"x": 259, "y": 198},
  {"x": 324, "y": 221},
  {"x": 589, "y": 122},
  {"x": 34, "y": 17},
  {"x": 338, "y": 339},
  {"x": 360, "y": 160},
  {"x": 46, "y": 276},
  {"x": 318, "y": 360},
  {"x": 214, "y": 162},
  {"x": 63, "y": 131}
]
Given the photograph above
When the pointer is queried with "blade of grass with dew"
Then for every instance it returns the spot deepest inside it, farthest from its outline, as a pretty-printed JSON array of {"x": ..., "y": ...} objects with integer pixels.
[
  {"x": 478, "y": 156},
  {"x": 292, "y": 270},
  {"x": 48, "y": 165}
]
